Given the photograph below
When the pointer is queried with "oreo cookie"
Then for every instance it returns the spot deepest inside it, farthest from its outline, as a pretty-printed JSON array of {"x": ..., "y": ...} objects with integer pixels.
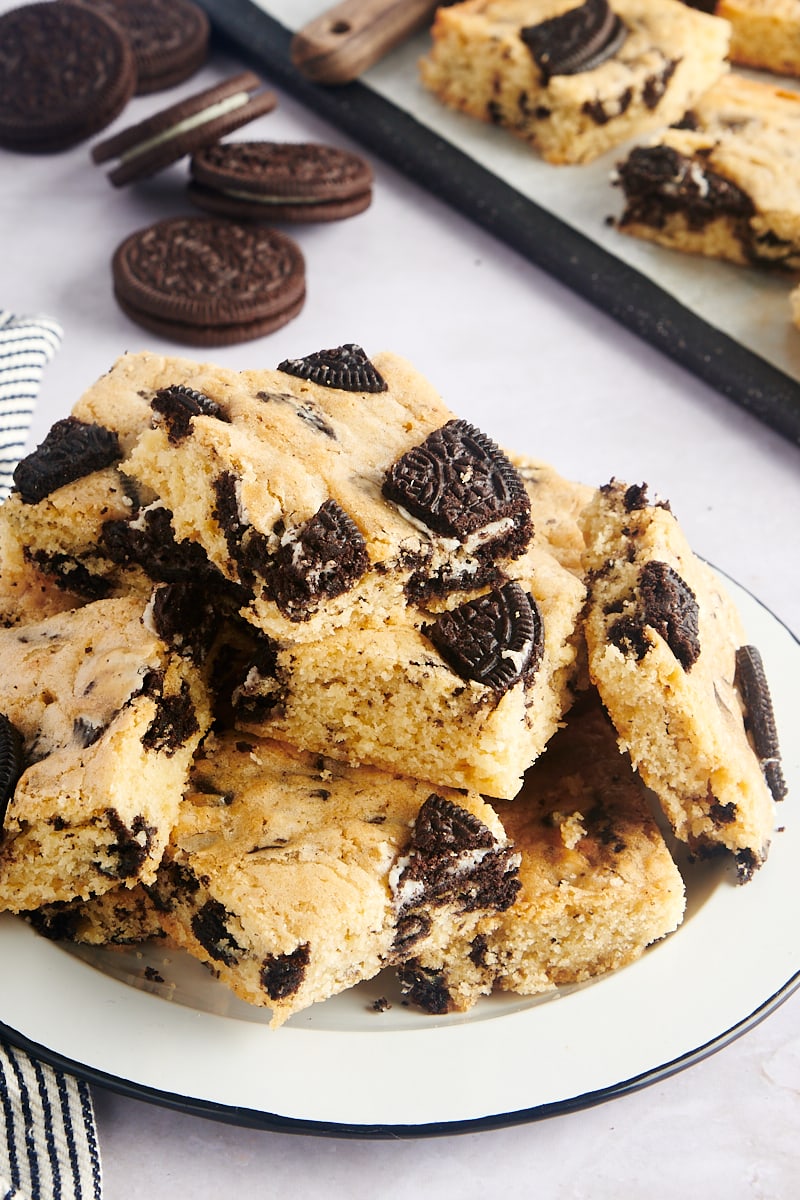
[
  {"x": 759, "y": 717},
  {"x": 209, "y": 282},
  {"x": 457, "y": 482},
  {"x": 345, "y": 367},
  {"x": 579, "y": 39},
  {"x": 71, "y": 449},
  {"x": 65, "y": 73},
  {"x": 12, "y": 761},
  {"x": 323, "y": 558},
  {"x": 143, "y": 149},
  {"x": 169, "y": 38},
  {"x": 280, "y": 181},
  {"x": 669, "y": 606},
  {"x": 495, "y": 639},
  {"x": 176, "y": 405}
]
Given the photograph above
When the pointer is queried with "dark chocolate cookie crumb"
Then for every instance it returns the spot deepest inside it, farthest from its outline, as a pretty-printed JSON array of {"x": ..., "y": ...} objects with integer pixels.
[
  {"x": 409, "y": 930},
  {"x": 425, "y": 987},
  {"x": 178, "y": 404},
  {"x": 210, "y": 927},
  {"x": 656, "y": 85},
  {"x": 442, "y": 827},
  {"x": 667, "y": 605},
  {"x": 658, "y": 181},
  {"x": 670, "y": 607},
  {"x": 59, "y": 921},
  {"x": 579, "y": 39},
  {"x": 457, "y": 482},
  {"x": 239, "y": 666},
  {"x": 478, "y": 950},
  {"x": 71, "y": 449},
  {"x": 454, "y": 859},
  {"x": 184, "y": 618},
  {"x": 759, "y": 716},
  {"x": 132, "y": 845},
  {"x": 321, "y": 559},
  {"x": 70, "y": 574},
  {"x": 283, "y": 974},
  {"x": 173, "y": 724},
  {"x": 149, "y": 541},
  {"x": 345, "y": 367},
  {"x": 226, "y": 512},
  {"x": 495, "y": 639},
  {"x": 628, "y": 635},
  {"x": 601, "y": 114},
  {"x": 746, "y": 865},
  {"x": 11, "y": 761},
  {"x": 635, "y": 497},
  {"x": 722, "y": 814}
]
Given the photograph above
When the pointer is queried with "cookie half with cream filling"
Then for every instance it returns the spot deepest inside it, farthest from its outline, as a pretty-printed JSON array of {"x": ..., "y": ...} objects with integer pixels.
[
  {"x": 280, "y": 181},
  {"x": 143, "y": 149}
]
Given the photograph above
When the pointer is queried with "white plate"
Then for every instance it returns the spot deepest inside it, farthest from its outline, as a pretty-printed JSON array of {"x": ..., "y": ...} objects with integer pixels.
[{"x": 344, "y": 1068}]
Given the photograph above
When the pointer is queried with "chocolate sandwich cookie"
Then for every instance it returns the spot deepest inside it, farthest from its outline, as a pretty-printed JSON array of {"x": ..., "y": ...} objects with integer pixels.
[
  {"x": 280, "y": 181},
  {"x": 169, "y": 38},
  {"x": 147, "y": 147},
  {"x": 65, "y": 73},
  {"x": 209, "y": 282}
]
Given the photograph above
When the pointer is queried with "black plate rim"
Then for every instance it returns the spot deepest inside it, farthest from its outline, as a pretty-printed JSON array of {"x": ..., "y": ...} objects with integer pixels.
[{"x": 274, "y": 1123}]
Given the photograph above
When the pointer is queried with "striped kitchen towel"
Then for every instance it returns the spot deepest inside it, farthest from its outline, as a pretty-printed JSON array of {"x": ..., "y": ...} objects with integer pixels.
[
  {"x": 26, "y": 344},
  {"x": 48, "y": 1137}
]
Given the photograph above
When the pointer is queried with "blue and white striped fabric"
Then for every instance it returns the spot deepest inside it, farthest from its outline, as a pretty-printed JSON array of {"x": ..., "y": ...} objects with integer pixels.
[
  {"x": 26, "y": 344},
  {"x": 48, "y": 1137}
]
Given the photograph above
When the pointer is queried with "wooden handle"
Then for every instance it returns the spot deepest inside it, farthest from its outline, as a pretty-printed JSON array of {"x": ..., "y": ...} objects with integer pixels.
[{"x": 351, "y": 36}]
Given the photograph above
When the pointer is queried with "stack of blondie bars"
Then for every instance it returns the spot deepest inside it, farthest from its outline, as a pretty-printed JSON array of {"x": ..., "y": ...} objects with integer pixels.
[{"x": 306, "y": 674}]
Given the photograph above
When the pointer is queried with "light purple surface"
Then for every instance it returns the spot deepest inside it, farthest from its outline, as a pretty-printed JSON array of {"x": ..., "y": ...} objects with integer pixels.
[{"x": 542, "y": 372}]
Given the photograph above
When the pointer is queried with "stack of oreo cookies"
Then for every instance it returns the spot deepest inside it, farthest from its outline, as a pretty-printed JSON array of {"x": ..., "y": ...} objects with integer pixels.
[
  {"x": 68, "y": 70},
  {"x": 205, "y": 281}
]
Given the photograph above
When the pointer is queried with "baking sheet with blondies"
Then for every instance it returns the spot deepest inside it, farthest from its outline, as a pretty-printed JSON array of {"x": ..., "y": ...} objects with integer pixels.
[{"x": 730, "y": 325}]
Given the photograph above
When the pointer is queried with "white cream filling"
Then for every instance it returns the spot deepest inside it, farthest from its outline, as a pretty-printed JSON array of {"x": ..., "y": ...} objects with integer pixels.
[
  {"x": 220, "y": 109},
  {"x": 407, "y": 892},
  {"x": 236, "y": 194},
  {"x": 485, "y": 534}
]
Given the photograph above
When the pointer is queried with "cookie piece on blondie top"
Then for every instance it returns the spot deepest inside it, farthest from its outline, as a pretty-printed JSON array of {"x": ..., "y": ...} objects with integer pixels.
[
  {"x": 597, "y": 881},
  {"x": 294, "y": 877},
  {"x": 106, "y": 718},
  {"x": 725, "y": 182},
  {"x": 684, "y": 690},
  {"x": 573, "y": 79},
  {"x": 462, "y": 694}
]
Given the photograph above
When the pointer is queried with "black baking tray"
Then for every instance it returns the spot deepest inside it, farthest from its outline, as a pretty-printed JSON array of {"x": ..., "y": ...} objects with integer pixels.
[{"x": 638, "y": 303}]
